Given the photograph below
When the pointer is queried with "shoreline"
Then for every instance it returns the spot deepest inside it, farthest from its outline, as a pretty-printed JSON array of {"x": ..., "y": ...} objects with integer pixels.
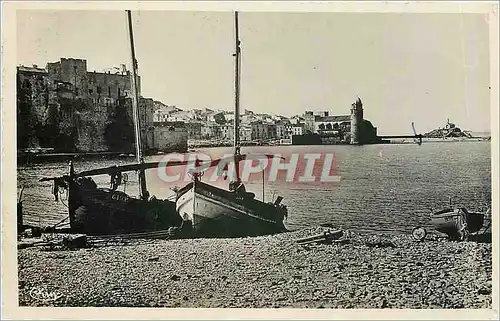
[
  {"x": 365, "y": 271},
  {"x": 36, "y": 158}
]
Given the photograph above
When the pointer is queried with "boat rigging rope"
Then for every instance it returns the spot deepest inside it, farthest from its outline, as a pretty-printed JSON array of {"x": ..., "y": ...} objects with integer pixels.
[
  {"x": 464, "y": 229},
  {"x": 64, "y": 192},
  {"x": 195, "y": 175},
  {"x": 60, "y": 222},
  {"x": 116, "y": 180},
  {"x": 124, "y": 181},
  {"x": 20, "y": 195}
]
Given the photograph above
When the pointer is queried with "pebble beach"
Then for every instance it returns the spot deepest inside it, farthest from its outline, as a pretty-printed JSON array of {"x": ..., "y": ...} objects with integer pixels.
[{"x": 363, "y": 271}]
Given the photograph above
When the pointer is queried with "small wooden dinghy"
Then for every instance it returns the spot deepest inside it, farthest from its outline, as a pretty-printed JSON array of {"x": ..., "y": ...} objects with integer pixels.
[{"x": 456, "y": 223}]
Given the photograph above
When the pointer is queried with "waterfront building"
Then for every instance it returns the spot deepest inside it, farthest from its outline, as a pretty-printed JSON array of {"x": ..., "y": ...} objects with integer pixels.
[
  {"x": 259, "y": 130},
  {"x": 211, "y": 130},
  {"x": 194, "y": 129},
  {"x": 283, "y": 129},
  {"x": 298, "y": 129},
  {"x": 162, "y": 112},
  {"x": 245, "y": 132},
  {"x": 227, "y": 131},
  {"x": 352, "y": 128}
]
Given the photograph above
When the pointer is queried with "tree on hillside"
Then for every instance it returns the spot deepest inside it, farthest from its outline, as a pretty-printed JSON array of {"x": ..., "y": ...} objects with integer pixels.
[
  {"x": 220, "y": 118},
  {"x": 119, "y": 133}
]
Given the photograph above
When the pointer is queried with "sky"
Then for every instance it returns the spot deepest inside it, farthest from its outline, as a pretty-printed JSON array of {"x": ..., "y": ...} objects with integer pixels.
[{"x": 406, "y": 67}]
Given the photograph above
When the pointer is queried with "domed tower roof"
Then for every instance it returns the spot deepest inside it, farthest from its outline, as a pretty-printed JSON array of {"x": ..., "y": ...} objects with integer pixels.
[{"x": 359, "y": 102}]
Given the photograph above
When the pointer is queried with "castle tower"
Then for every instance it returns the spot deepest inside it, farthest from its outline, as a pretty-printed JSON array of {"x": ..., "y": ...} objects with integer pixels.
[
  {"x": 356, "y": 119},
  {"x": 309, "y": 122},
  {"x": 359, "y": 107}
]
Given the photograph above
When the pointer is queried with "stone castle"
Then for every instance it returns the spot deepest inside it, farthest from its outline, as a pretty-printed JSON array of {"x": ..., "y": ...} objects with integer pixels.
[{"x": 70, "y": 109}]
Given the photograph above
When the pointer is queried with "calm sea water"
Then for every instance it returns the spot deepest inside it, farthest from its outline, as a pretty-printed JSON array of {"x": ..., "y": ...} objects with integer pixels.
[{"x": 389, "y": 188}]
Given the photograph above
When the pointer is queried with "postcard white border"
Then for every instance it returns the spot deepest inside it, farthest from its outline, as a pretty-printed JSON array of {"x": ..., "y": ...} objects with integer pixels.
[{"x": 10, "y": 308}]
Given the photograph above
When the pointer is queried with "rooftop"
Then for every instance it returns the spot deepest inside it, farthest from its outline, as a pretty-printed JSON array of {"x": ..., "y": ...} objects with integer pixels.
[
  {"x": 170, "y": 123},
  {"x": 332, "y": 118},
  {"x": 34, "y": 68}
]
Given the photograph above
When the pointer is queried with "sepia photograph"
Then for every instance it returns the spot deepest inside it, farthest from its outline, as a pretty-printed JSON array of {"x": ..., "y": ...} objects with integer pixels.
[{"x": 252, "y": 157}]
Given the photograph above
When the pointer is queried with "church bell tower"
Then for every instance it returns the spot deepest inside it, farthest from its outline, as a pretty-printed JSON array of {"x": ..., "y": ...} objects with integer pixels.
[{"x": 356, "y": 119}]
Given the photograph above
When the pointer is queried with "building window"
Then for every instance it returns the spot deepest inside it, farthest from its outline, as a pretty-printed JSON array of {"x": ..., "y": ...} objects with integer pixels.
[
  {"x": 99, "y": 89},
  {"x": 76, "y": 91},
  {"x": 90, "y": 91},
  {"x": 109, "y": 91}
]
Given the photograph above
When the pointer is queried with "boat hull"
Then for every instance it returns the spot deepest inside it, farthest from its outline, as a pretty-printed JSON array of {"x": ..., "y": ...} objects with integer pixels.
[
  {"x": 214, "y": 212},
  {"x": 99, "y": 211},
  {"x": 450, "y": 221}
]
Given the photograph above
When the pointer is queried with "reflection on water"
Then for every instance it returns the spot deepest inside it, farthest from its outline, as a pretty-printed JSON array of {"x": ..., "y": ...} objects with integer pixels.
[{"x": 382, "y": 187}]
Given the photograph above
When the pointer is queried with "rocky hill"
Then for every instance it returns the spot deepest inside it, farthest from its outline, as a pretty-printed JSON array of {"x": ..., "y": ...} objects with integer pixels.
[{"x": 450, "y": 130}]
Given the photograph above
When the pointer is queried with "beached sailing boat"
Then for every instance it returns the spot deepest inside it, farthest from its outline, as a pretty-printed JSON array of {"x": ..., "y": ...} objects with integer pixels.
[
  {"x": 215, "y": 212},
  {"x": 100, "y": 211}
]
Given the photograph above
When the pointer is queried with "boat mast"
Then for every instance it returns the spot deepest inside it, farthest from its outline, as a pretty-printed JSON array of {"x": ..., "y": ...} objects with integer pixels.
[
  {"x": 135, "y": 111},
  {"x": 237, "y": 60}
]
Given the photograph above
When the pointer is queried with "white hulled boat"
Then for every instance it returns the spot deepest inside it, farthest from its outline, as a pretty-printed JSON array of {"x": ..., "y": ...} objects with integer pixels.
[{"x": 216, "y": 212}]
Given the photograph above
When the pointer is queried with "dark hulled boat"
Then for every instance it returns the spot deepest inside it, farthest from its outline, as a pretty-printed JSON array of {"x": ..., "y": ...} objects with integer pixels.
[
  {"x": 100, "y": 211},
  {"x": 95, "y": 210},
  {"x": 107, "y": 211}
]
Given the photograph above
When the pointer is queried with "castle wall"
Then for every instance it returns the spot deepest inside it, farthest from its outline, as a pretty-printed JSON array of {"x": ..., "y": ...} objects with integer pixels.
[
  {"x": 170, "y": 137},
  {"x": 146, "y": 115},
  {"x": 32, "y": 104},
  {"x": 91, "y": 127}
]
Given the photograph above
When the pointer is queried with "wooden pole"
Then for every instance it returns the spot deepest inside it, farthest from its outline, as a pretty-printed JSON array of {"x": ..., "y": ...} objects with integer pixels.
[
  {"x": 263, "y": 177},
  {"x": 236, "y": 96},
  {"x": 71, "y": 197},
  {"x": 135, "y": 110}
]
